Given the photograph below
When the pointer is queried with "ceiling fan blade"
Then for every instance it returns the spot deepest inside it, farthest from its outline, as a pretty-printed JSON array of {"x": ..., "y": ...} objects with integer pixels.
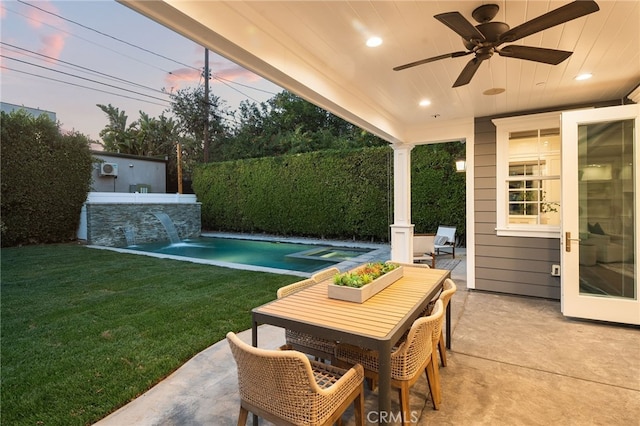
[
  {"x": 435, "y": 58},
  {"x": 536, "y": 54},
  {"x": 468, "y": 72},
  {"x": 460, "y": 25},
  {"x": 550, "y": 19}
]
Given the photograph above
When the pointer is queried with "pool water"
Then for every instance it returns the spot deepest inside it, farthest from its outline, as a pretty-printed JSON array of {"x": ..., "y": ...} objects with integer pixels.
[{"x": 278, "y": 255}]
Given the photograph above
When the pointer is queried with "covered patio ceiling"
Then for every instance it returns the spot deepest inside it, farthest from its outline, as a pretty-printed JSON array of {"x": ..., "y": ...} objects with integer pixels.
[{"x": 317, "y": 50}]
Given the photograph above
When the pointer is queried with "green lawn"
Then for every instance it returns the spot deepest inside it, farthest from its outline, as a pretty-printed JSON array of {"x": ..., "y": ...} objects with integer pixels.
[{"x": 85, "y": 331}]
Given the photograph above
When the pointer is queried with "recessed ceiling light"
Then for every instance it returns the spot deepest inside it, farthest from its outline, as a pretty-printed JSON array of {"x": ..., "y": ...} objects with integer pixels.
[
  {"x": 585, "y": 76},
  {"x": 425, "y": 103},
  {"x": 494, "y": 91},
  {"x": 374, "y": 41}
]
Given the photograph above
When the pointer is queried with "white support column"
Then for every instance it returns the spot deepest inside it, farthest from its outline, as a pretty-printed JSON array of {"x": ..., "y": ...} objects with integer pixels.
[{"x": 402, "y": 228}]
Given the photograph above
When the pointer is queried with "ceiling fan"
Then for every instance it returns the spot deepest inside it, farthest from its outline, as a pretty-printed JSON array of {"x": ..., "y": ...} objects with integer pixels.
[{"x": 484, "y": 39}]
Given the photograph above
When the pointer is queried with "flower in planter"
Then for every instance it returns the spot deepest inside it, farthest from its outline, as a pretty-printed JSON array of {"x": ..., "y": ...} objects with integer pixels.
[{"x": 363, "y": 276}]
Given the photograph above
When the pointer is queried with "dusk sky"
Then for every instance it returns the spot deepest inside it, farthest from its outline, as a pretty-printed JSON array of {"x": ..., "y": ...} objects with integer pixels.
[{"x": 84, "y": 53}]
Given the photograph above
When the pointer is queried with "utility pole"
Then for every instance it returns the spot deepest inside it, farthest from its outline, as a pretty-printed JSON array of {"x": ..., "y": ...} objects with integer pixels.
[
  {"x": 179, "y": 162},
  {"x": 205, "y": 145}
]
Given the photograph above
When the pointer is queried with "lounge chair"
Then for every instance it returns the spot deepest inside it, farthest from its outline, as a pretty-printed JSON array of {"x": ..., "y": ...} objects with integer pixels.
[
  {"x": 423, "y": 247},
  {"x": 445, "y": 239},
  {"x": 427, "y": 247}
]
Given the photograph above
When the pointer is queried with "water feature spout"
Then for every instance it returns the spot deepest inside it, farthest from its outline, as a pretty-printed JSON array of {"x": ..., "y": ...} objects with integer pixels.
[
  {"x": 130, "y": 234},
  {"x": 168, "y": 226}
]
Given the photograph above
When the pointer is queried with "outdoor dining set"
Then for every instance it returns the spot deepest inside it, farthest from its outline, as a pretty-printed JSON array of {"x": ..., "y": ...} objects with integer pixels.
[{"x": 334, "y": 348}]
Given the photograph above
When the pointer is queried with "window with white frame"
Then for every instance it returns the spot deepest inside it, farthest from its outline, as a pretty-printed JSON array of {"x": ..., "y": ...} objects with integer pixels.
[{"x": 528, "y": 175}]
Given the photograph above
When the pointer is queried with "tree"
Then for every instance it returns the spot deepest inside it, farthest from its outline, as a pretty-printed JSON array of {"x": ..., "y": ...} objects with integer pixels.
[
  {"x": 147, "y": 136},
  {"x": 247, "y": 139},
  {"x": 287, "y": 124},
  {"x": 192, "y": 112},
  {"x": 115, "y": 135}
]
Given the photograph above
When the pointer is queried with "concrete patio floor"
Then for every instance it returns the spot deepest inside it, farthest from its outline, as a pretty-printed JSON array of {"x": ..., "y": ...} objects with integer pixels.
[{"x": 514, "y": 361}]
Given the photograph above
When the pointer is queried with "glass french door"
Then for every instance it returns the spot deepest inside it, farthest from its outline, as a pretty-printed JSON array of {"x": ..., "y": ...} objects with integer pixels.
[{"x": 600, "y": 243}]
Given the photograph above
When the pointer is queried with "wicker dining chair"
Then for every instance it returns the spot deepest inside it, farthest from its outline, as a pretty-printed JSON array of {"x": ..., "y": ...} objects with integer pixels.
[
  {"x": 321, "y": 349},
  {"x": 436, "y": 335},
  {"x": 437, "y": 338},
  {"x": 286, "y": 387},
  {"x": 448, "y": 289},
  {"x": 295, "y": 287},
  {"x": 413, "y": 265},
  {"x": 325, "y": 274},
  {"x": 409, "y": 359}
]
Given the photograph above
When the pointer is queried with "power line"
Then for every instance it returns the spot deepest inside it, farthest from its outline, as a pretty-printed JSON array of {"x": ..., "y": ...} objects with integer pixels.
[
  {"x": 89, "y": 70},
  {"x": 221, "y": 117},
  {"x": 221, "y": 79},
  {"x": 245, "y": 85},
  {"x": 83, "y": 68},
  {"x": 108, "y": 35},
  {"x": 81, "y": 86},
  {"x": 243, "y": 94},
  {"x": 88, "y": 41},
  {"x": 77, "y": 76}
]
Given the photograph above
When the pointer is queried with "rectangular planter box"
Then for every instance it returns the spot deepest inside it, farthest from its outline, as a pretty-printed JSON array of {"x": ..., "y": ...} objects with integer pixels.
[{"x": 359, "y": 295}]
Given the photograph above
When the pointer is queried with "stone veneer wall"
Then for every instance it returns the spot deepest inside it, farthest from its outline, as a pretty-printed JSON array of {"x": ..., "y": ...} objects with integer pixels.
[{"x": 109, "y": 223}]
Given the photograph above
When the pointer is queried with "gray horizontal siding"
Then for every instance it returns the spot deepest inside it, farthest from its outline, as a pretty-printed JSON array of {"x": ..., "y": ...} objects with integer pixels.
[
  {"x": 485, "y": 194},
  {"x": 527, "y": 264},
  {"x": 514, "y": 251},
  {"x": 486, "y": 217},
  {"x": 487, "y": 172},
  {"x": 514, "y": 287},
  {"x": 542, "y": 244},
  {"x": 516, "y": 265},
  {"x": 487, "y": 183},
  {"x": 485, "y": 206},
  {"x": 483, "y": 149}
]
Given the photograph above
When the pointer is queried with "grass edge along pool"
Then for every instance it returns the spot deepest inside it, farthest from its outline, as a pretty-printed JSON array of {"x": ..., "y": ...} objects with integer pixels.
[{"x": 299, "y": 257}]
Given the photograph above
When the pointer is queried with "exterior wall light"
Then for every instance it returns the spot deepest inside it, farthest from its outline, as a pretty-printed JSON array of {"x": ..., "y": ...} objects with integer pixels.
[{"x": 461, "y": 165}]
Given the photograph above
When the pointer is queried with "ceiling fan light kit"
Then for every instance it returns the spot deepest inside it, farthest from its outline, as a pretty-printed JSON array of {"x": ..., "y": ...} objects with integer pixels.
[{"x": 484, "y": 39}]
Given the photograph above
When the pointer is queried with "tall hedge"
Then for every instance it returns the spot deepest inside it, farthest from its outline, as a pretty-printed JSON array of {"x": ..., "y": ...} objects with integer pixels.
[
  {"x": 45, "y": 178},
  {"x": 438, "y": 192},
  {"x": 327, "y": 194},
  {"x": 330, "y": 194}
]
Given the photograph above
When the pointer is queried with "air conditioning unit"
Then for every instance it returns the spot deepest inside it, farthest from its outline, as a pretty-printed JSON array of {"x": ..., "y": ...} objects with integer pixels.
[{"x": 108, "y": 169}]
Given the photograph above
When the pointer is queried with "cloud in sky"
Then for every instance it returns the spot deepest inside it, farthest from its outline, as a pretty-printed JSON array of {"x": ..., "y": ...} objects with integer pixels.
[
  {"x": 37, "y": 18},
  {"x": 53, "y": 42},
  {"x": 181, "y": 78},
  {"x": 37, "y": 31},
  {"x": 230, "y": 71}
]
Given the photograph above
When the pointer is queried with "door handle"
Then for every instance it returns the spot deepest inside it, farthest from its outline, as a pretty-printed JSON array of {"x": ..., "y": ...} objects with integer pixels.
[{"x": 567, "y": 241}]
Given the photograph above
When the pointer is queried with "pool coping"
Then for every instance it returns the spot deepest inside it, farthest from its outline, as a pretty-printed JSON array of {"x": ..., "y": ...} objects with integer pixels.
[{"x": 379, "y": 252}]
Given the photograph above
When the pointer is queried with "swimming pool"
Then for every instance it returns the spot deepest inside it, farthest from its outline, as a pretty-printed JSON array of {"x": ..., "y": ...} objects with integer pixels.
[{"x": 307, "y": 258}]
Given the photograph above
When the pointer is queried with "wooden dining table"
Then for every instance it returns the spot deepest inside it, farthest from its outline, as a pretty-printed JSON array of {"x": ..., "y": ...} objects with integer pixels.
[{"x": 377, "y": 324}]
